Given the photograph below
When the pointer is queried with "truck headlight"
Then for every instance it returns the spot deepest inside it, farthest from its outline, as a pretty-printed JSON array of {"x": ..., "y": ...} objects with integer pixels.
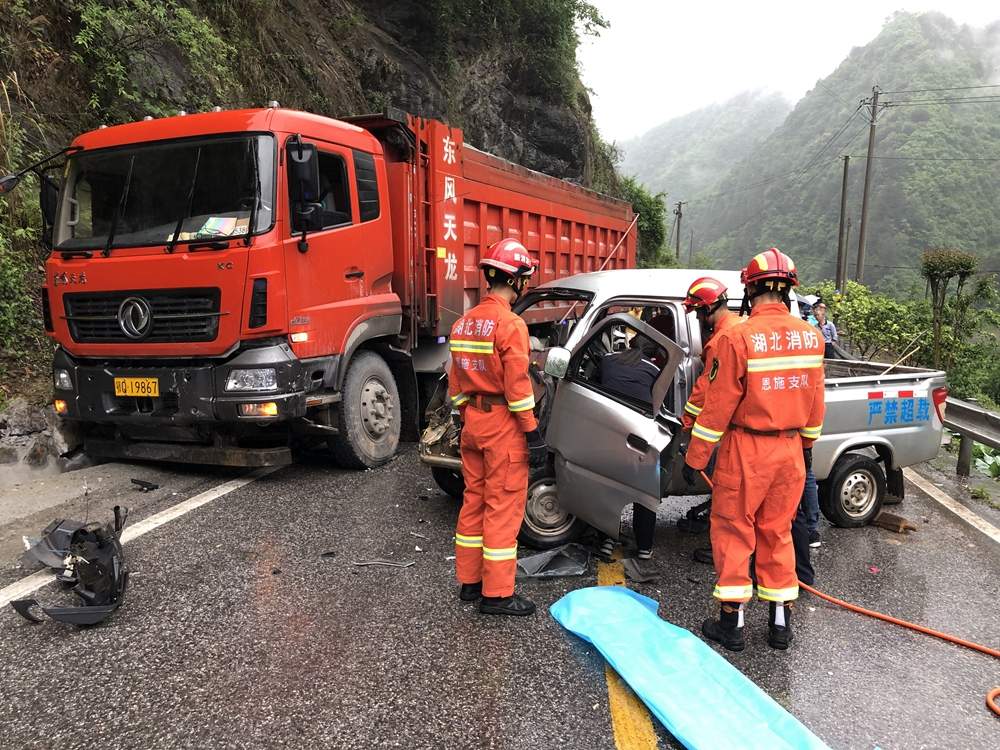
[
  {"x": 62, "y": 380},
  {"x": 264, "y": 379}
]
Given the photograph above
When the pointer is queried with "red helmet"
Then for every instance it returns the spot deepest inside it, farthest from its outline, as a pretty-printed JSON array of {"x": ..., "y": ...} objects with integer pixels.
[
  {"x": 770, "y": 265},
  {"x": 704, "y": 292},
  {"x": 510, "y": 256}
]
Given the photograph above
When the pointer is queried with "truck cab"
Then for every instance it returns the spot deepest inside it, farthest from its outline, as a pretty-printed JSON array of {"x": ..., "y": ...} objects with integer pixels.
[{"x": 208, "y": 274}]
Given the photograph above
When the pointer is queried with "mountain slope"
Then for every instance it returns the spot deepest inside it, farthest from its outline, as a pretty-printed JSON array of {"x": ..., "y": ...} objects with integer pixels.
[
  {"x": 687, "y": 155},
  {"x": 936, "y": 190}
]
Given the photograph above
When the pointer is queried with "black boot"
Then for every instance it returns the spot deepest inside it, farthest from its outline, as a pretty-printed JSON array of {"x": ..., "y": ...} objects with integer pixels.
[
  {"x": 702, "y": 555},
  {"x": 728, "y": 629},
  {"x": 514, "y": 605},
  {"x": 780, "y": 635},
  {"x": 470, "y": 591}
]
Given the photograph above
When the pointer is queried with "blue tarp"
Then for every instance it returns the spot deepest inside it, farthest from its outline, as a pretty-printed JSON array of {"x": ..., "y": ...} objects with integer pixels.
[{"x": 702, "y": 699}]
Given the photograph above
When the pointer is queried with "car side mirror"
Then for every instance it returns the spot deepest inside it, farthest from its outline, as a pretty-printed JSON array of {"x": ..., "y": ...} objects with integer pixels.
[
  {"x": 557, "y": 362},
  {"x": 8, "y": 183}
]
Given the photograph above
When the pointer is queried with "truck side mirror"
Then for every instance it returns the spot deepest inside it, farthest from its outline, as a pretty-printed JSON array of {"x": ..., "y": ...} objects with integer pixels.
[
  {"x": 8, "y": 183},
  {"x": 48, "y": 200},
  {"x": 303, "y": 177},
  {"x": 557, "y": 362}
]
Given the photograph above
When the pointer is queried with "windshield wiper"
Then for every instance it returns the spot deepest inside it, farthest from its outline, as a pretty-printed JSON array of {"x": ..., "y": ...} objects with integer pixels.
[
  {"x": 121, "y": 208},
  {"x": 67, "y": 254},
  {"x": 252, "y": 222},
  {"x": 188, "y": 203}
]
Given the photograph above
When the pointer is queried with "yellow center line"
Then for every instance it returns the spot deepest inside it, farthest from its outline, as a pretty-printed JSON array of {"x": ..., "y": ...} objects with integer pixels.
[{"x": 630, "y": 721}]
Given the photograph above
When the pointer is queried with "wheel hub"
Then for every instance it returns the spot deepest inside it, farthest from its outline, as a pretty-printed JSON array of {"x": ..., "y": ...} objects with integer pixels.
[
  {"x": 858, "y": 493},
  {"x": 377, "y": 411},
  {"x": 543, "y": 512}
]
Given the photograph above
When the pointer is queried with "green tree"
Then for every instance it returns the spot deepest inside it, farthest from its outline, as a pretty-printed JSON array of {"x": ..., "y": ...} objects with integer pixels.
[
  {"x": 652, "y": 252},
  {"x": 939, "y": 268}
]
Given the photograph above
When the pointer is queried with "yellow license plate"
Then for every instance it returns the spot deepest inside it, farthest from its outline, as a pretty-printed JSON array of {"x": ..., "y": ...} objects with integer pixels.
[{"x": 149, "y": 387}]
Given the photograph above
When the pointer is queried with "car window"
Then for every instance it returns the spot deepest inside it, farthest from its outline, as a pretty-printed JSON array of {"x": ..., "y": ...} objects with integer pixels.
[
  {"x": 551, "y": 316},
  {"x": 334, "y": 195},
  {"x": 621, "y": 363}
]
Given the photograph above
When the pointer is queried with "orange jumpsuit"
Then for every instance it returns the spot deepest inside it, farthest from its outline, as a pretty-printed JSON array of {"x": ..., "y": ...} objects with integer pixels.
[
  {"x": 696, "y": 400},
  {"x": 489, "y": 383},
  {"x": 765, "y": 404}
]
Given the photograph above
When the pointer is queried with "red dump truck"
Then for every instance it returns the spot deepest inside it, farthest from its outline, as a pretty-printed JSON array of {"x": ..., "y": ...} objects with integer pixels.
[{"x": 225, "y": 286}]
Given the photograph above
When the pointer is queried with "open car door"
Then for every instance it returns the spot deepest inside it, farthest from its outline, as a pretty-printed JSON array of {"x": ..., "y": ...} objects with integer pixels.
[{"x": 609, "y": 442}]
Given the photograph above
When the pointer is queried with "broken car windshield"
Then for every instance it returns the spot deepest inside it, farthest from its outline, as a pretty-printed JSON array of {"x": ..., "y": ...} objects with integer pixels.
[{"x": 177, "y": 192}]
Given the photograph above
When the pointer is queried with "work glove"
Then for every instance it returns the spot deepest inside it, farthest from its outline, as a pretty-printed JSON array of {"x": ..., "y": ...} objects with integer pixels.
[
  {"x": 538, "y": 451},
  {"x": 807, "y": 454},
  {"x": 690, "y": 475}
]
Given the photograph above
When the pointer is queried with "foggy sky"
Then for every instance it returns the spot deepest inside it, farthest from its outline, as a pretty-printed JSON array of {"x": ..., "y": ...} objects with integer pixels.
[{"x": 662, "y": 59}]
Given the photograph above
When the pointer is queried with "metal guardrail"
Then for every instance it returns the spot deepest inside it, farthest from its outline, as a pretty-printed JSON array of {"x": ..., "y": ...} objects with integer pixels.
[{"x": 973, "y": 423}]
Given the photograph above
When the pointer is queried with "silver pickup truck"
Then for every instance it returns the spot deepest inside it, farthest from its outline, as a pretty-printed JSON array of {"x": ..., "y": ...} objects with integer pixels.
[{"x": 608, "y": 450}]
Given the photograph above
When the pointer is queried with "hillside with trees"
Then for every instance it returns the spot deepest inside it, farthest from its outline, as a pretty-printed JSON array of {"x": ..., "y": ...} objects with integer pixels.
[
  {"x": 686, "y": 156},
  {"x": 935, "y": 182}
]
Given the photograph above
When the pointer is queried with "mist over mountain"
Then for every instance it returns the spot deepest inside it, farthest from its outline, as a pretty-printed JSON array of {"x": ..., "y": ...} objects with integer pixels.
[
  {"x": 935, "y": 183},
  {"x": 688, "y": 154}
]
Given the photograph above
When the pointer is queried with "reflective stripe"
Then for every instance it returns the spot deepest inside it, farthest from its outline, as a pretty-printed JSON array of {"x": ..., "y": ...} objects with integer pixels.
[
  {"x": 733, "y": 593},
  {"x": 811, "y": 433},
  {"x": 461, "y": 540},
  {"x": 761, "y": 261},
  {"x": 767, "y": 364},
  {"x": 709, "y": 436},
  {"x": 460, "y": 399},
  {"x": 778, "y": 595},
  {"x": 703, "y": 285},
  {"x": 525, "y": 404},
  {"x": 471, "y": 347},
  {"x": 498, "y": 555},
  {"x": 692, "y": 409}
]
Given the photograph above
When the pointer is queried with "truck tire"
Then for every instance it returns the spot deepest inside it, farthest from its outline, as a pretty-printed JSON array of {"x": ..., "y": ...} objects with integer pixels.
[
  {"x": 450, "y": 481},
  {"x": 546, "y": 524},
  {"x": 853, "y": 493},
  {"x": 368, "y": 417}
]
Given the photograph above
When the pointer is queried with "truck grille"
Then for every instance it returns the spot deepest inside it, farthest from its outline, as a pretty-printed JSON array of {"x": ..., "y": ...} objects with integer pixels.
[{"x": 176, "y": 315}]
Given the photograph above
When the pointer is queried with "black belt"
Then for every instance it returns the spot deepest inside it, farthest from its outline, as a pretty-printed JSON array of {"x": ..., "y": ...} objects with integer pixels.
[{"x": 769, "y": 433}]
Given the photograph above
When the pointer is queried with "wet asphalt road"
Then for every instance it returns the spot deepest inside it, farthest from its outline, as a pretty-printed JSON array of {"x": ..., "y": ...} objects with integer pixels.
[{"x": 238, "y": 633}]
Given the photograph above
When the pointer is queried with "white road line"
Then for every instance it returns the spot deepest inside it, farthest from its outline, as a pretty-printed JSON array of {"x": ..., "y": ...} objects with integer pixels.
[
  {"x": 953, "y": 505},
  {"x": 35, "y": 581}
]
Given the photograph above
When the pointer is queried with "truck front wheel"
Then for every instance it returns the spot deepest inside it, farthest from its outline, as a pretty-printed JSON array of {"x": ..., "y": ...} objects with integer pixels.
[
  {"x": 368, "y": 417},
  {"x": 852, "y": 495}
]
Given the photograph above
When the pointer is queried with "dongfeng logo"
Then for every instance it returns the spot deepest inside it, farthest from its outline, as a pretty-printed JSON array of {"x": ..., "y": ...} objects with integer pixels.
[{"x": 135, "y": 317}]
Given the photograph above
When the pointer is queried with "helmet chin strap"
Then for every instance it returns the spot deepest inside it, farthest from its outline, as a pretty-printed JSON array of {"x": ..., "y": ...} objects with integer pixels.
[{"x": 763, "y": 288}]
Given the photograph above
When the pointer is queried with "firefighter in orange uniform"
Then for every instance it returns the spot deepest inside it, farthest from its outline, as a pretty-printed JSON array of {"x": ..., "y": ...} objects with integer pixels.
[
  {"x": 706, "y": 298},
  {"x": 489, "y": 383},
  {"x": 764, "y": 408}
]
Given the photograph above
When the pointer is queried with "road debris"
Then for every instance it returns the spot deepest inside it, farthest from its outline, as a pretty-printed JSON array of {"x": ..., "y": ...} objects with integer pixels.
[
  {"x": 892, "y": 522},
  {"x": 87, "y": 558},
  {"x": 143, "y": 486},
  {"x": 419, "y": 536},
  {"x": 387, "y": 563},
  {"x": 639, "y": 571},
  {"x": 874, "y": 569},
  {"x": 568, "y": 560}
]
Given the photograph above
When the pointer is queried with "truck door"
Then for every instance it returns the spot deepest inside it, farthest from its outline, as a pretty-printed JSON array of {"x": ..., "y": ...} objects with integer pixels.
[
  {"x": 610, "y": 438},
  {"x": 326, "y": 275}
]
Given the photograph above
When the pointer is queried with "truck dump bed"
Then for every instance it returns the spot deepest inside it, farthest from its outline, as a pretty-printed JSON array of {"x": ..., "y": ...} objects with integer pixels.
[{"x": 451, "y": 201}]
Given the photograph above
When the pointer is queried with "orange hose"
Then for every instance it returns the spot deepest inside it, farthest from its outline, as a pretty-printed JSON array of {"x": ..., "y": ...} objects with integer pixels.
[{"x": 991, "y": 697}]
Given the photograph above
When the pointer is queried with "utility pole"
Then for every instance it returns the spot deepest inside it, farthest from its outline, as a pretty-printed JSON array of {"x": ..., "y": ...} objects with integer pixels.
[
  {"x": 679, "y": 214},
  {"x": 847, "y": 244},
  {"x": 859, "y": 272},
  {"x": 841, "y": 247},
  {"x": 691, "y": 249}
]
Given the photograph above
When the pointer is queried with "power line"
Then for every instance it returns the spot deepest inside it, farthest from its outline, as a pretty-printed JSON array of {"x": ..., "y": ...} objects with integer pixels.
[
  {"x": 946, "y": 88},
  {"x": 992, "y": 99},
  {"x": 933, "y": 158}
]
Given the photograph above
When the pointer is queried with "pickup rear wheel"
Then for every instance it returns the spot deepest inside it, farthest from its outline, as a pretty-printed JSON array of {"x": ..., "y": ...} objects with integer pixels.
[
  {"x": 368, "y": 417},
  {"x": 546, "y": 524},
  {"x": 852, "y": 495}
]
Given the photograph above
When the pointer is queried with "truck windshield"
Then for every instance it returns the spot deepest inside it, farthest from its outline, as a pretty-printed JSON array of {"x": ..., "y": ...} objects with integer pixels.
[{"x": 212, "y": 188}]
